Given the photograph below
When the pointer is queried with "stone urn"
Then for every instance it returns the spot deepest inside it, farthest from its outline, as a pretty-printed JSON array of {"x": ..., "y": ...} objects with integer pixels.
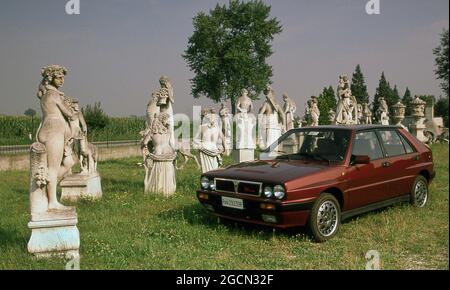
[
  {"x": 399, "y": 113},
  {"x": 418, "y": 108}
]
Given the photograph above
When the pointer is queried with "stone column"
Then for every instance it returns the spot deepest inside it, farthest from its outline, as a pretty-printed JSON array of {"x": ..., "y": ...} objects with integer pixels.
[{"x": 417, "y": 128}]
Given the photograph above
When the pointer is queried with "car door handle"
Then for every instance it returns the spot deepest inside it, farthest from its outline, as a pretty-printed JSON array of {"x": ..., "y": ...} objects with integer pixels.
[{"x": 386, "y": 164}]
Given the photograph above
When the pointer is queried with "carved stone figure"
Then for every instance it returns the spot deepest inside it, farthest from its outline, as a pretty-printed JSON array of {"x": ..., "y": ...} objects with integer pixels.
[
  {"x": 383, "y": 112},
  {"x": 53, "y": 225},
  {"x": 366, "y": 114},
  {"x": 314, "y": 112},
  {"x": 346, "y": 112},
  {"x": 210, "y": 141},
  {"x": 289, "y": 109},
  {"x": 273, "y": 118},
  {"x": 88, "y": 156},
  {"x": 332, "y": 117},
  {"x": 159, "y": 164},
  {"x": 244, "y": 122},
  {"x": 225, "y": 117}
]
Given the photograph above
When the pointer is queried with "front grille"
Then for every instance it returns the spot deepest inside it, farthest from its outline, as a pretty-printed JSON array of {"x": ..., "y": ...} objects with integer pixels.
[{"x": 238, "y": 186}]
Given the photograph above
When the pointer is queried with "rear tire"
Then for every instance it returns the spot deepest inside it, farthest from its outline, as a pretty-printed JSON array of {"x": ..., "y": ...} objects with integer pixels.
[
  {"x": 325, "y": 218},
  {"x": 419, "y": 192}
]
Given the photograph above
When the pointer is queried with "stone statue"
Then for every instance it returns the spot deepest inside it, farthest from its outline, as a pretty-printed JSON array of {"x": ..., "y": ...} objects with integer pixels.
[
  {"x": 273, "y": 117},
  {"x": 53, "y": 225},
  {"x": 162, "y": 102},
  {"x": 314, "y": 112},
  {"x": 88, "y": 156},
  {"x": 210, "y": 141},
  {"x": 225, "y": 117},
  {"x": 332, "y": 117},
  {"x": 244, "y": 122},
  {"x": 383, "y": 112},
  {"x": 289, "y": 109},
  {"x": 160, "y": 176},
  {"x": 55, "y": 132},
  {"x": 367, "y": 114},
  {"x": 346, "y": 112}
]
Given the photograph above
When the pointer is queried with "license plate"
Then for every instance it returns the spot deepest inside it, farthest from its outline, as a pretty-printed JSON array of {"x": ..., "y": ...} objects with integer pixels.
[{"x": 232, "y": 202}]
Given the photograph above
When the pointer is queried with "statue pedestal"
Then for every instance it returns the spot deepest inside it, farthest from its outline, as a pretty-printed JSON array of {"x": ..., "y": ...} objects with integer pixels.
[
  {"x": 243, "y": 155},
  {"x": 54, "y": 233},
  {"x": 417, "y": 129},
  {"x": 76, "y": 186}
]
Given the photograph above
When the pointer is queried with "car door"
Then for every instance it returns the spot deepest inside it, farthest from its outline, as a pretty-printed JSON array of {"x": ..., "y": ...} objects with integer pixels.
[
  {"x": 366, "y": 183},
  {"x": 399, "y": 173}
]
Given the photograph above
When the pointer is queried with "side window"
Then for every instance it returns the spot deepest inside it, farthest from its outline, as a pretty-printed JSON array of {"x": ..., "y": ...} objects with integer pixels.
[
  {"x": 392, "y": 143},
  {"x": 366, "y": 143},
  {"x": 408, "y": 146}
]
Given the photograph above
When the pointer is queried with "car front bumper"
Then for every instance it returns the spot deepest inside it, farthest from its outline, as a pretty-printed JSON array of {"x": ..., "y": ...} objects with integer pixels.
[{"x": 284, "y": 215}]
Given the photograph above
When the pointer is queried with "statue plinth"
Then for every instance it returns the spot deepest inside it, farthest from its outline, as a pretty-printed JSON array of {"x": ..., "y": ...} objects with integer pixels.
[
  {"x": 417, "y": 129},
  {"x": 81, "y": 186},
  {"x": 243, "y": 155},
  {"x": 54, "y": 233}
]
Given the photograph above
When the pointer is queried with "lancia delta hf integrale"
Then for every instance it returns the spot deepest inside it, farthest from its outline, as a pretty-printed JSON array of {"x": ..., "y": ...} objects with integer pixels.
[{"x": 319, "y": 176}]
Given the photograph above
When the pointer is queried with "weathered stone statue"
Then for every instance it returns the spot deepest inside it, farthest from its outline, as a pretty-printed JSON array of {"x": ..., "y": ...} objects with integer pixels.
[
  {"x": 314, "y": 111},
  {"x": 346, "y": 112},
  {"x": 245, "y": 123},
  {"x": 366, "y": 114},
  {"x": 162, "y": 102},
  {"x": 53, "y": 225},
  {"x": 273, "y": 118},
  {"x": 159, "y": 166},
  {"x": 383, "y": 112},
  {"x": 289, "y": 109},
  {"x": 332, "y": 117},
  {"x": 226, "y": 119},
  {"x": 210, "y": 142},
  {"x": 86, "y": 184}
]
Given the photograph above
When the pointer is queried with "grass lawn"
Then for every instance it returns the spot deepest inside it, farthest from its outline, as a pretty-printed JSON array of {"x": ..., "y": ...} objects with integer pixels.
[{"x": 128, "y": 229}]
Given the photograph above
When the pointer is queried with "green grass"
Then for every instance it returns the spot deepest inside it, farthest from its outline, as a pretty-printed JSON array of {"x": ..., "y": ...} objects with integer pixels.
[{"x": 128, "y": 229}]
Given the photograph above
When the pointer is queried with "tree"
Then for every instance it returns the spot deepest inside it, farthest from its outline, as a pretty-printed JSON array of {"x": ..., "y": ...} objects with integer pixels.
[
  {"x": 358, "y": 86},
  {"x": 228, "y": 50},
  {"x": 326, "y": 102},
  {"x": 94, "y": 116},
  {"x": 406, "y": 100},
  {"x": 441, "y": 110},
  {"x": 384, "y": 90},
  {"x": 30, "y": 112},
  {"x": 441, "y": 61}
]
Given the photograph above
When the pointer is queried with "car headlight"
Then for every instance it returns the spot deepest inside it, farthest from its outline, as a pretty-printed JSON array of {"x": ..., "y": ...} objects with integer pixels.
[
  {"x": 268, "y": 192},
  {"x": 212, "y": 185},
  {"x": 279, "y": 191},
  {"x": 205, "y": 182}
]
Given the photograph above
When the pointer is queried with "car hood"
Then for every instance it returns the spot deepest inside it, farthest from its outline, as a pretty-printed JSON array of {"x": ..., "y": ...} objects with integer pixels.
[{"x": 272, "y": 171}]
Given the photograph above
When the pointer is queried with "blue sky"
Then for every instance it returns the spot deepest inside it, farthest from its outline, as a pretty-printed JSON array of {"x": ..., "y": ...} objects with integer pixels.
[{"x": 116, "y": 50}]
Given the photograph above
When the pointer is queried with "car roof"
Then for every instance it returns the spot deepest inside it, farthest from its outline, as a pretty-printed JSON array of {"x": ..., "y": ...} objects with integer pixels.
[{"x": 353, "y": 127}]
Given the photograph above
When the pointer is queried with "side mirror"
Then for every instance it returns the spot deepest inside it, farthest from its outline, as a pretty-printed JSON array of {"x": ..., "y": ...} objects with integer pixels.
[{"x": 360, "y": 159}]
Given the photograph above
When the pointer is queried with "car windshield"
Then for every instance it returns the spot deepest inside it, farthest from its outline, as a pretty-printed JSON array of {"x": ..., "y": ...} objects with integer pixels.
[{"x": 328, "y": 145}]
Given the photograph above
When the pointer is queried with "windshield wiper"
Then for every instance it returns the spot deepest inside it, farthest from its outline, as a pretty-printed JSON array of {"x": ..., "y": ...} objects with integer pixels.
[{"x": 285, "y": 155}]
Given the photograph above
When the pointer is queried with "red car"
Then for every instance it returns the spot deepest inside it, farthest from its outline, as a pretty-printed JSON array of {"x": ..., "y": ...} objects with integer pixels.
[{"x": 319, "y": 176}]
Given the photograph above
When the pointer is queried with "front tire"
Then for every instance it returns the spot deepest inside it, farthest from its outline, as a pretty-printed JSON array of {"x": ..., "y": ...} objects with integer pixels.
[
  {"x": 325, "y": 218},
  {"x": 419, "y": 192}
]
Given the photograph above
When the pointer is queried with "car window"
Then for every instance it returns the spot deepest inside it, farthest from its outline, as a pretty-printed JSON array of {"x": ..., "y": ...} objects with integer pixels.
[
  {"x": 408, "y": 146},
  {"x": 392, "y": 143},
  {"x": 366, "y": 143}
]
